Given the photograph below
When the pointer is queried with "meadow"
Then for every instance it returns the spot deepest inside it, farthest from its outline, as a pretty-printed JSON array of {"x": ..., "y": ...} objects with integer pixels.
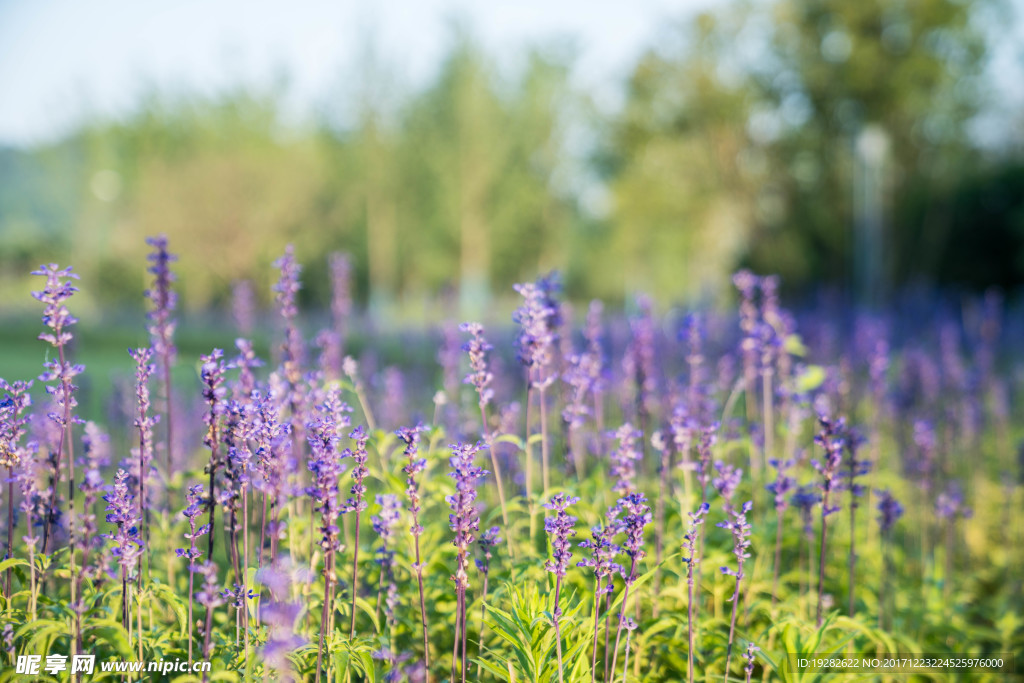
[{"x": 575, "y": 495}]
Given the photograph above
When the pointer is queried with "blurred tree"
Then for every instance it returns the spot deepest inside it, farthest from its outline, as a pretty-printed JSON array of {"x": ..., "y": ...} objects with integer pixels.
[{"x": 753, "y": 112}]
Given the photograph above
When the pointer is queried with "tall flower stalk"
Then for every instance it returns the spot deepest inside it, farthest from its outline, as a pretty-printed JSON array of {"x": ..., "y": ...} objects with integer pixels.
[
  {"x": 636, "y": 515},
  {"x": 161, "y": 325},
  {"x": 211, "y": 373},
  {"x": 13, "y": 419},
  {"x": 325, "y": 464},
  {"x": 560, "y": 529},
  {"x": 480, "y": 377},
  {"x": 603, "y": 552},
  {"x": 464, "y": 520},
  {"x": 413, "y": 467},
  {"x": 57, "y": 290},
  {"x": 356, "y": 503},
  {"x": 780, "y": 488},
  {"x": 192, "y": 512},
  {"x": 740, "y": 529},
  {"x": 144, "y": 422},
  {"x": 831, "y": 441},
  {"x": 692, "y": 559},
  {"x": 128, "y": 547}
]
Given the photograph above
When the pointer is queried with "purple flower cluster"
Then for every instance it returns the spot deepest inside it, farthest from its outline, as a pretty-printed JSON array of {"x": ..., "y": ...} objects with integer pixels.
[
  {"x": 727, "y": 481},
  {"x": 325, "y": 464},
  {"x": 889, "y": 510},
  {"x": 359, "y": 456},
  {"x": 625, "y": 457},
  {"x": 384, "y": 524},
  {"x": 124, "y": 514},
  {"x": 196, "y": 502},
  {"x": 477, "y": 348},
  {"x": 740, "y": 530},
  {"x": 487, "y": 541},
  {"x": 410, "y": 436},
  {"x": 831, "y": 440},
  {"x": 538, "y": 337},
  {"x": 783, "y": 484},
  {"x": 464, "y": 519},
  {"x": 560, "y": 529},
  {"x": 162, "y": 297}
]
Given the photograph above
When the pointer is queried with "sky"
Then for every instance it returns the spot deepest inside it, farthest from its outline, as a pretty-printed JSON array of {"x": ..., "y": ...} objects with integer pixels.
[{"x": 64, "y": 59}]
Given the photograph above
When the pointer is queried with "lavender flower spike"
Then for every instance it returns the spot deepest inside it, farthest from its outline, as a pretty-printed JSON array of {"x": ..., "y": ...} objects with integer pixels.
[
  {"x": 692, "y": 560},
  {"x": 636, "y": 515},
  {"x": 192, "y": 511},
  {"x": 740, "y": 529},
  {"x": 464, "y": 520},
  {"x": 127, "y": 544},
  {"x": 560, "y": 530},
  {"x": 161, "y": 323}
]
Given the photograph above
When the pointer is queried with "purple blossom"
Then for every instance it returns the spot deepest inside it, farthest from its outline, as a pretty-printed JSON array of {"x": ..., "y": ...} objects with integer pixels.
[
  {"x": 625, "y": 458},
  {"x": 293, "y": 348},
  {"x": 639, "y": 361},
  {"x": 560, "y": 529},
  {"x": 692, "y": 536},
  {"x": 246, "y": 363},
  {"x": 341, "y": 293},
  {"x": 727, "y": 481},
  {"x": 889, "y": 510},
  {"x": 196, "y": 503},
  {"x": 464, "y": 519},
  {"x": 162, "y": 297},
  {"x": 830, "y": 439},
  {"x": 414, "y": 465},
  {"x": 537, "y": 338},
  {"x": 13, "y": 418},
  {"x": 804, "y": 500},
  {"x": 124, "y": 514},
  {"x": 740, "y": 530},
  {"x": 384, "y": 524},
  {"x": 487, "y": 541},
  {"x": 636, "y": 514},
  {"x": 603, "y": 551},
  {"x": 480, "y": 377},
  {"x": 950, "y": 504},
  {"x": 783, "y": 483},
  {"x": 325, "y": 464},
  {"x": 359, "y": 456},
  {"x": 210, "y": 595}
]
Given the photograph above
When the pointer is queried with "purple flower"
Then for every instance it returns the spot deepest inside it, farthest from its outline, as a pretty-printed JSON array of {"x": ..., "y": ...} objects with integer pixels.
[
  {"x": 280, "y": 618},
  {"x": 56, "y": 291},
  {"x": 414, "y": 465},
  {"x": 889, "y": 510},
  {"x": 246, "y": 363},
  {"x": 560, "y": 529},
  {"x": 804, "y": 500},
  {"x": 625, "y": 457},
  {"x": 783, "y": 483},
  {"x": 464, "y": 519},
  {"x": 211, "y": 372},
  {"x": 124, "y": 514},
  {"x": 162, "y": 298},
  {"x": 286, "y": 293},
  {"x": 727, "y": 481},
  {"x": 692, "y": 535},
  {"x": 636, "y": 514},
  {"x": 196, "y": 503},
  {"x": 384, "y": 524},
  {"x": 359, "y": 472},
  {"x": 831, "y": 440},
  {"x": 537, "y": 338},
  {"x": 325, "y": 464},
  {"x": 487, "y": 542},
  {"x": 477, "y": 348},
  {"x": 144, "y": 422},
  {"x": 950, "y": 503},
  {"x": 740, "y": 529},
  {"x": 210, "y": 596},
  {"x": 341, "y": 293},
  {"x": 13, "y": 418},
  {"x": 639, "y": 361}
]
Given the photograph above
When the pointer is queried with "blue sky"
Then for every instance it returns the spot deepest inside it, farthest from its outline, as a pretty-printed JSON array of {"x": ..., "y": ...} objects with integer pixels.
[
  {"x": 60, "y": 59},
  {"x": 63, "y": 59}
]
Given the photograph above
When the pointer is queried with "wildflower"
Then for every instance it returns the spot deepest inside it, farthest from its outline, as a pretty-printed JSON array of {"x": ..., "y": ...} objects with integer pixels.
[
  {"x": 559, "y": 529},
  {"x": 384, "y": 524},
  {"x": 740, "y": 529},
  {"x": 624, "y": 458},
  {"x": 727, "y": 481},
  {"x": 889, "y": 511},
  {"x": 537, "y": 339},
  {"x": 477, "y": 348},
  {"x": 636, "y": 515}
]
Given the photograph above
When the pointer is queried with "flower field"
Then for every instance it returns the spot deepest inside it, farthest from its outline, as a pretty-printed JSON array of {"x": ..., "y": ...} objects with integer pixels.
[{"x": 571, "y": 496}]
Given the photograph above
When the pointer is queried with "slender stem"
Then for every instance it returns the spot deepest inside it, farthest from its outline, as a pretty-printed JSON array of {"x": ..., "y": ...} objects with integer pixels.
[
  {"x": 191, "y": 585},
  {"x": 355, "y": 565},
  {"x": 528, "y": 447},
  {"x": 423, "y": 605},
  {"x": 689, "y": 619},
  {"x": 455, "y": 645},
  {"x": 323, "y": 617},
  {"x": 625, "y": 664},
  {"x": 659, "y": 521},
  {"x": 10, "y": 527},
  {"x": 821, "y": 559},
  {"x": 462, "y": 618},
  {"x": 597, "y": 610},
  {"x": 558, "y": 633},
  {"x": 853, "y": 542},
  {"x": 732, "y": 623},
  {"x": 622, "y": 613}
]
